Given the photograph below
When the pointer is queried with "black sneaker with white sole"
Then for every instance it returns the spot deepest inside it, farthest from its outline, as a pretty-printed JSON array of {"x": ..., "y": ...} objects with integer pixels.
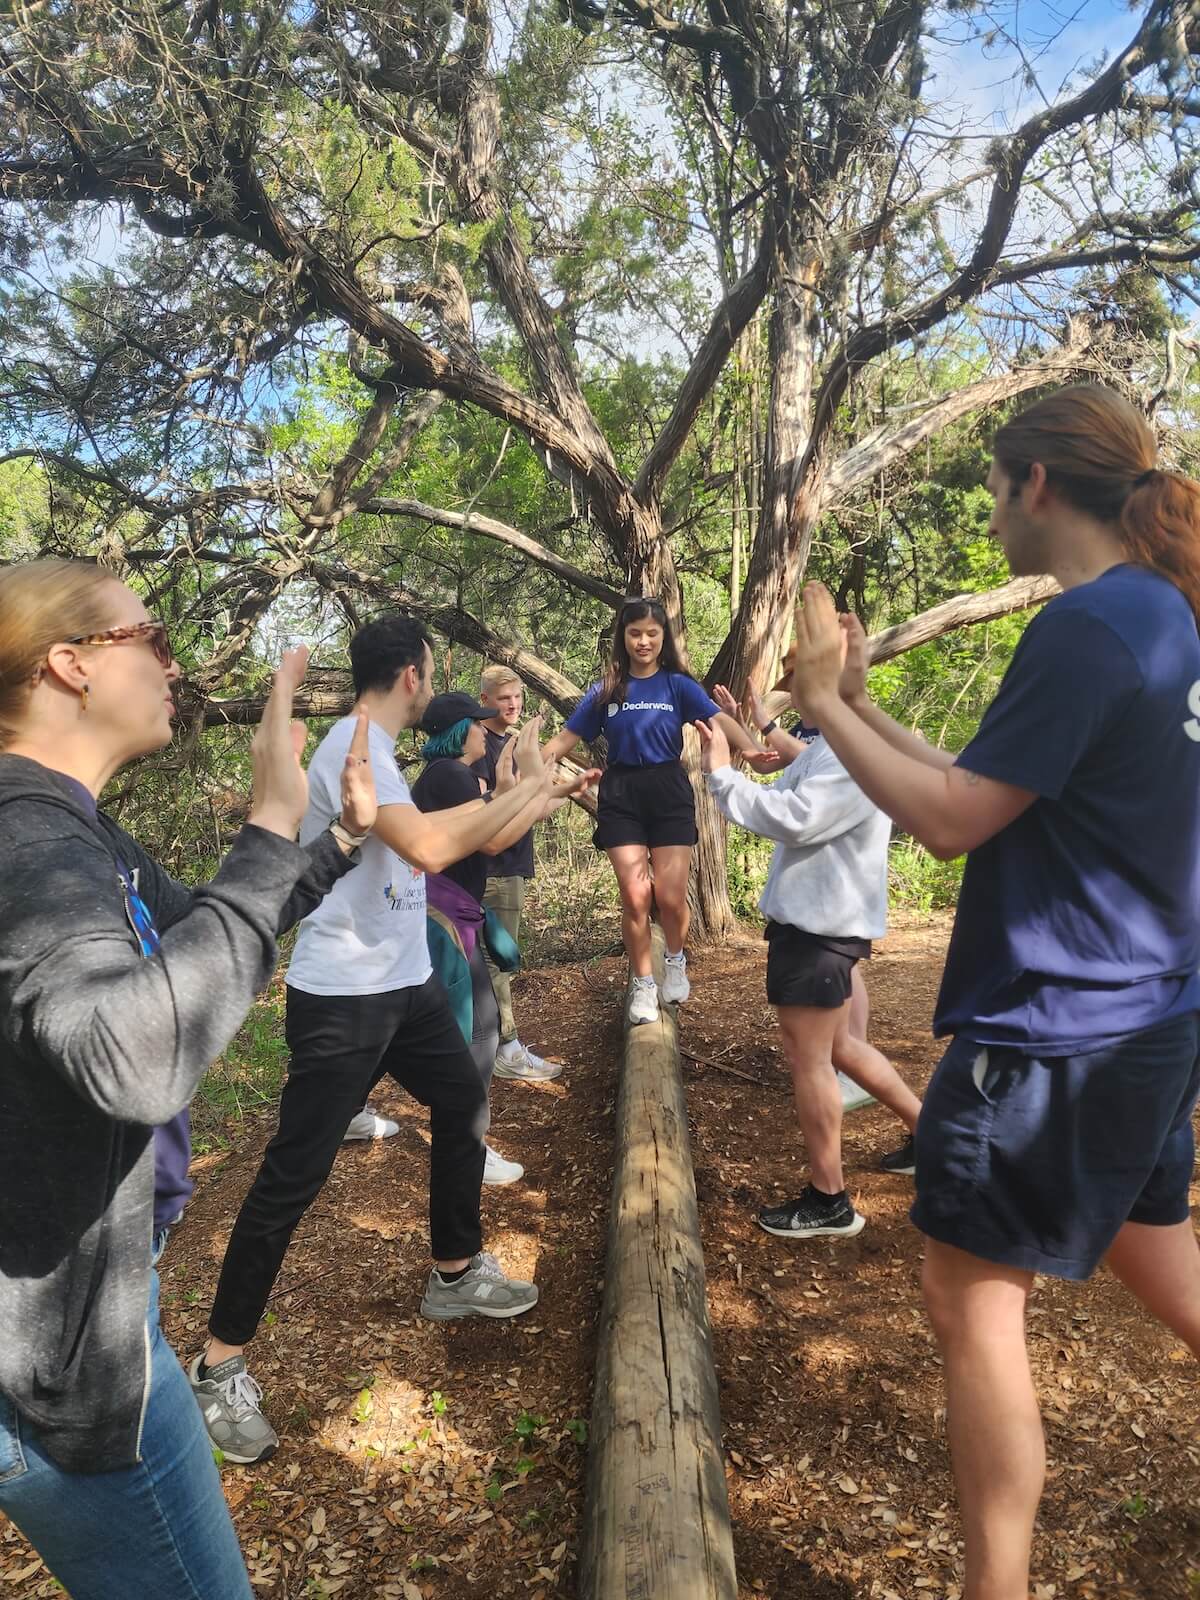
[
  {"x": 811, "y": 1216},
  {"x": 902, "y": 1161}
]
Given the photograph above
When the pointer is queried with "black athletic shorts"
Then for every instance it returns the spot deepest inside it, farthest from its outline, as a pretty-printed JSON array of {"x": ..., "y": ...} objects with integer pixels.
[
  {"x": 645, "y": 805},
  {"x": 810, "y": 969}
]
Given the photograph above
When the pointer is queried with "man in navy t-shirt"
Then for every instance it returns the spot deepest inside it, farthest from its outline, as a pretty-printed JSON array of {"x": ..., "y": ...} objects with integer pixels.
[{"x": 1056, "y": 1132}]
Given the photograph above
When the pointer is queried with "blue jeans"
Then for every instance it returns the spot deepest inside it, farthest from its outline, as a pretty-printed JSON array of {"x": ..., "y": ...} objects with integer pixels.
[{"x": 159, "y": 1529}]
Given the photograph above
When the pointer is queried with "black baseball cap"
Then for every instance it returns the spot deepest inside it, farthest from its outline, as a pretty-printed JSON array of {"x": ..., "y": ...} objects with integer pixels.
[{"x": 444, "y": 710}]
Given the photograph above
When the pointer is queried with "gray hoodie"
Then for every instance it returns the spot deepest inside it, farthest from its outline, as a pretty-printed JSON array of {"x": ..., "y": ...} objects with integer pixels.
[{"x": 97, "y": 1045}]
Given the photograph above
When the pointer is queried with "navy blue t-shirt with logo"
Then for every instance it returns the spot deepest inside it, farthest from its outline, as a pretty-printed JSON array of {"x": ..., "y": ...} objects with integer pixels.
[
  {"x": 1079, "y": 923},
  {"x": 646, "y": 728}
]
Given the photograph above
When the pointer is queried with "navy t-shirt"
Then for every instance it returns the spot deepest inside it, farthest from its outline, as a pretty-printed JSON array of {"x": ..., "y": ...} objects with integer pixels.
[
  {"x": 517, "y": 860},
  {"x": 446, "y": 783},
  {"x": 1079, "y": 923},
  {"x": 646, "y": 729}
]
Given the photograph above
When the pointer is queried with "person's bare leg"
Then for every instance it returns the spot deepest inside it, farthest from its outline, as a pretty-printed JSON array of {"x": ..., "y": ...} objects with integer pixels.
[
  {"x": 1161, "y": 1266},
  {"x": 872, "y": 1071},
  {"x": 860, "y": 1004},
  {"x": 631, "y": 865},
  {"x": 672, "y": 863},
  {"x": 808, "y": 1034},
  {"x": 978, "y": 1314}
]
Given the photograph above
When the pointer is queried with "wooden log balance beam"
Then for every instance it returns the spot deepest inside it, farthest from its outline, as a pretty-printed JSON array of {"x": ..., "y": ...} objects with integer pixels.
[{"x": 656, "y": 1514}]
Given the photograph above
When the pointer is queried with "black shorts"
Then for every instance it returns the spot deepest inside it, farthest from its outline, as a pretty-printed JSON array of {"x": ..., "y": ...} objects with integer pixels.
[
  {"x": 645, "y": 805},
  {"x": 1037, "y": 1162},
  {"x": 810, "y": 969}
]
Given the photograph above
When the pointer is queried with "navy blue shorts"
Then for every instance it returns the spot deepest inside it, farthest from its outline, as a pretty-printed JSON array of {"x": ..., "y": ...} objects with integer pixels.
[{"x": 1037, "y": 1164}]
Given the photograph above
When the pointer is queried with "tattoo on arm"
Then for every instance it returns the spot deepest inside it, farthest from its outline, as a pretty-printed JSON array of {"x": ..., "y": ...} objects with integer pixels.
[{"x": 972, "y": 777}]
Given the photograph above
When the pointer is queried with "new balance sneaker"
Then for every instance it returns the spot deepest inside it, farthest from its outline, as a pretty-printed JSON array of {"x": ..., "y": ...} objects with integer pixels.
[
  {"x": 368, "y": 1124},
  {"x": 497, "y": 1170},
  {"x": 852, "y": 1096},
  {"x": 676, "y": 987},
  {"x": 902, "y": 1161},
  {"x": 643, "y": 1003},
  {"x": 811, "y": 1216},
  {"x": 482, "y": 1291},
  {"x": 229, "y": 1401},
  {"x": 516, "y": 1060}
]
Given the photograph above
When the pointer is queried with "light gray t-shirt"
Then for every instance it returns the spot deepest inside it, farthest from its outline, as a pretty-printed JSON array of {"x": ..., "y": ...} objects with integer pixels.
[{"x": 368, "y": 934}]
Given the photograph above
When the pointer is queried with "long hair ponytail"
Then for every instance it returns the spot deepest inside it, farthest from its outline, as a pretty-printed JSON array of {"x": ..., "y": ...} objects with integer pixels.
[{"x": 1100, "y": 454}]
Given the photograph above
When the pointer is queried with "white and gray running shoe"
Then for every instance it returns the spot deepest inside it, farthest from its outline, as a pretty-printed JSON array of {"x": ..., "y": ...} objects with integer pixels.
[
  {"x": 230, "y": 1403},
  {"x": 497, "y": 1170},
  {"x": 368, "y": 1124},
  {"x": 676, "y": 987},
  {"x": 643, "y": 1003},
  {"x": 852, "y": 1096},
  {"x": 517, "y": 1060},
  {"x": 482, "y": 1291}
]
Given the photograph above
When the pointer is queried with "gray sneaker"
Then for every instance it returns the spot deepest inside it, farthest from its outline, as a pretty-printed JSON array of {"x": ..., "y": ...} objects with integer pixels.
[
  {"x": 482, "y": 1291},
  {"x": 517, "y": 1060},
  {"x": 229, "y": 1398}
]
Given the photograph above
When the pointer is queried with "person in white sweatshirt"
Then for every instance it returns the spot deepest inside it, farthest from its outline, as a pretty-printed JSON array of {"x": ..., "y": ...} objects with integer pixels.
[{"x": 825, "y": 899}]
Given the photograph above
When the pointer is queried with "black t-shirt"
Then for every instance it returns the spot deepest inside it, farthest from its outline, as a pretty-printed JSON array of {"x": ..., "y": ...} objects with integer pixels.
[
  {"x": 517, "y": 860},
  {"x": 443, "y": 785}
]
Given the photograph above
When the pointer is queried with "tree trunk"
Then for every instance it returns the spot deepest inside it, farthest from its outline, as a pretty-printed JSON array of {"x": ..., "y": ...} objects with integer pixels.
[
  {"x": 708, "y": 888},
  {"x": 708, "y": 892},
  {"x": 775, "y": 558}
]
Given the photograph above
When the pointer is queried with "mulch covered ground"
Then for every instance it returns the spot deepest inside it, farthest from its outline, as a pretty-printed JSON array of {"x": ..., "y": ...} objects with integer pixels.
[{"x": 428, "y": 1462}]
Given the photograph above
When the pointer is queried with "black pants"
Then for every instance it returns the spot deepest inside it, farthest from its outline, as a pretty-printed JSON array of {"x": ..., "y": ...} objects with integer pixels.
[
  {"x": 340, "y": 1045},
  {"x": 485, "y": 1010}
]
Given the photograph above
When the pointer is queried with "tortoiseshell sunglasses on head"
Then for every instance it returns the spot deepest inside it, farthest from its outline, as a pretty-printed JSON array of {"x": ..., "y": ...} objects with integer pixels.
[{"x": 154, "y": 633}]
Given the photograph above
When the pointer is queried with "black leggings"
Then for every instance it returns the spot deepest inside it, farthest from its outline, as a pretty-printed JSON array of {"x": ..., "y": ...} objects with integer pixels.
[{"x": 340, "y": 1045}]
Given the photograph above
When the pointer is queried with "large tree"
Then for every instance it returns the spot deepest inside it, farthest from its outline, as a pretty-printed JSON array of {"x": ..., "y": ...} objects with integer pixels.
[{"x": 422, "y": 208}]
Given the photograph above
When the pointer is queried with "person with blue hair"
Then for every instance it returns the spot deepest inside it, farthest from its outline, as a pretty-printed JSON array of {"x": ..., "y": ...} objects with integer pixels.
[{"x": 454, "y": 723}]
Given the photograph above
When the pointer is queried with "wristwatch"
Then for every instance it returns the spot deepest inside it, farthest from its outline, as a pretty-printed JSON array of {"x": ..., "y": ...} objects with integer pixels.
[
  {"x": 770, "y": 728},
  {"x": 343, "y": 835}
]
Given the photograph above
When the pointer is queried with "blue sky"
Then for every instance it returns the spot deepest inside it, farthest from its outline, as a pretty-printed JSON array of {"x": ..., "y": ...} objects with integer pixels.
[{"x": 1056, "y": 39}]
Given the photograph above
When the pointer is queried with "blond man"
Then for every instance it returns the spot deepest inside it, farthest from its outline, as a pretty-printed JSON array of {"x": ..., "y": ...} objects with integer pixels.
[{"x": 508, "y": 872}]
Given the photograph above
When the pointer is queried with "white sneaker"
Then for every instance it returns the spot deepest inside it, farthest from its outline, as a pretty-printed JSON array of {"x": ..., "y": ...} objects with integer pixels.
[
  {"x": 517, "y": 1060},
  {"x": 643, "y": 1004},
  {"x": 497, "y": 1170},
  {"x": 368, "y": 1124},
  {"x": 676, "y": 987},
  {"x": 853, "y": 1098}
]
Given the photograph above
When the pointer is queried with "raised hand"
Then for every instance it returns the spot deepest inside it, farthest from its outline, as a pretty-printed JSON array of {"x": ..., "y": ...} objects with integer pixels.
[
  {"x": 727, "y": 703},
  {"x": 279, "y": 789},
  {"x": 764, "y": 760},
  {"x": 573, "y": 783},
  {"x": 360, "y": 806},
  {"x": 528, "y": 753},
  {"x": 714, "y": 746},
  {"x": 852, "y": 685},
  {"x": 818, "y": 650},
  {"x": 757, "y": 709},
  {"x": 506, "y": 772}
]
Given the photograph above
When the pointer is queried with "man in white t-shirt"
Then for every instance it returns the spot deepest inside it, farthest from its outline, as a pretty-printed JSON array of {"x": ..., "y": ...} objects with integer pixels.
[{"x": 362, "y": 999}]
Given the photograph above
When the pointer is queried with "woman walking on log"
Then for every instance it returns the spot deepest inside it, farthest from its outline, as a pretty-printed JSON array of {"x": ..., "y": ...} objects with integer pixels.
[
  {"x": 118, "y": 988},
  {"x": 646, "y": 815},
  {"x": 1057, "y": 1132}
]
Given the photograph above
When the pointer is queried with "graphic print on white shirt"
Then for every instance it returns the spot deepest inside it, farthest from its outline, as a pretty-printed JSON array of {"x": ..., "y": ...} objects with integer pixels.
[{"x": 368, "y": 934}]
